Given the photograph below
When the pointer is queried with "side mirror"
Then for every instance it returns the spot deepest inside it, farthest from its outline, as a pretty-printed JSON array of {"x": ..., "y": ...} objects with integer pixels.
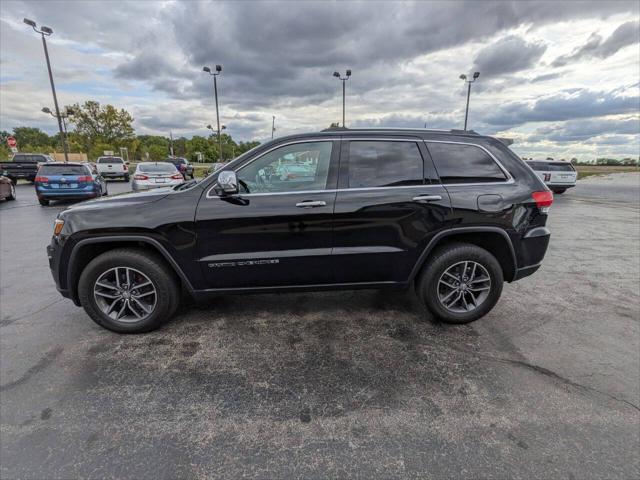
[{"x": 228, "y": 182}]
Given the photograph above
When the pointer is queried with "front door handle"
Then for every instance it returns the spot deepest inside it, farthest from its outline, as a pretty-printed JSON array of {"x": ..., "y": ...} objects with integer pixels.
[
  {"x": 427, "y": 198},
  {"x": 311, "y": 204}
]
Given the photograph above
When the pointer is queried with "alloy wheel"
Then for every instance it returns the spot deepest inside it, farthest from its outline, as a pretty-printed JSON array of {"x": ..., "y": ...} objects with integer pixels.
[
  {"x": 464, "y": 286},
  {"x": 125, "y": 294}
]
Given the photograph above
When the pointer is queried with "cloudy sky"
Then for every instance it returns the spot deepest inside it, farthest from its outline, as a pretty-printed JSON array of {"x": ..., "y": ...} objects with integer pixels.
[{"x": 561, "y": 78}]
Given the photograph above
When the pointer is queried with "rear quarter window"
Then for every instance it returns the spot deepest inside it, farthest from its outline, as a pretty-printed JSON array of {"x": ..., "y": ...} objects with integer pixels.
[{"x": 462, "y": 163}]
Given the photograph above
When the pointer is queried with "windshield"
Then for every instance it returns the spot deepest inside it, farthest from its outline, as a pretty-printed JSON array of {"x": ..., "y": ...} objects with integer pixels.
[
  {"x": 63, "y": 170},
  {"x": 551, "y": 166},
  {"x": 110, "y": 160},
  {"x": 156, "y": 168}
]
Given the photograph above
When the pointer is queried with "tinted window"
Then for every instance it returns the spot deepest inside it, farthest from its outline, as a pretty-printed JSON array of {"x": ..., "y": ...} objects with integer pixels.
[
  {"x": 156, "y": 168},
  {"x": 464, "y": 164},
  {"x": 63, "y": 170},
  {"x": 551, "y": 167},
  {"x": 110, "y": 160},
  {"x": 301, "y": 166},
  {"x": 28, "y": 158},
  {"x": 384, "y": 164}
]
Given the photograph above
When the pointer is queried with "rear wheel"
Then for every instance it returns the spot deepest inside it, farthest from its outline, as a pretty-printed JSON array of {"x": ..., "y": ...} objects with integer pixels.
[
  {"x": 559, "y": 191},
  {"x": 43, "y": 202},
  {"x": 462, "y": 283},
  {"x": 128, "y": 291}
]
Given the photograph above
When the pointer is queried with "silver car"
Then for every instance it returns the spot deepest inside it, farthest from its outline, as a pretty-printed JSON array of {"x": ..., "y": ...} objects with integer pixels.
[{"x": 154, "y": 175}]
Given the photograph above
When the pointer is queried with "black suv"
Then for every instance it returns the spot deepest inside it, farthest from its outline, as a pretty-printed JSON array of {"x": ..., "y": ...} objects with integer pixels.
[{"x": 453, "y": 214}]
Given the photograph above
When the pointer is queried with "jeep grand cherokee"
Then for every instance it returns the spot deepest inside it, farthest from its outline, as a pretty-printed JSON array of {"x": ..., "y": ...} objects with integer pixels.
[{"x": 452, "y": 214}]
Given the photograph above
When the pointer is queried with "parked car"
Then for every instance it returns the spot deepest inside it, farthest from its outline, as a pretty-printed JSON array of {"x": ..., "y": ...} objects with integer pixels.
[
  {"x": 451, "y": 214},
  {"x": 113, "y": 167},
  {"x": 214, "y": 168},
  {"x": 7, "y": 188},
  {"x": 25, "y": 166},
  {"x": 155, "y": 175},
  {"x": 183, "y": 166},
  {"x": 558, "y": 176},
  {"x": 64, "y": 181}
]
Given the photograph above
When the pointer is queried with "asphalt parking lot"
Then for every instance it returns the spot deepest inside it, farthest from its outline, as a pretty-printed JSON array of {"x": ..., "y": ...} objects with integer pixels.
[{"x": 349, "y": 384}]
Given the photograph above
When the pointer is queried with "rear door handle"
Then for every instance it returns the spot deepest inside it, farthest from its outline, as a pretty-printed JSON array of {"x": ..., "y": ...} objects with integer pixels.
[
  {"x": 427, "y": 198},
  {"x": 311, "y": 204}
]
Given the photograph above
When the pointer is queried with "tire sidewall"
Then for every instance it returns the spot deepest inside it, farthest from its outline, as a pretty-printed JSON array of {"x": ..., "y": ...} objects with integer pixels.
[
  {"x": 165, "y": 288},
  {"x": 428, "y": 287}
]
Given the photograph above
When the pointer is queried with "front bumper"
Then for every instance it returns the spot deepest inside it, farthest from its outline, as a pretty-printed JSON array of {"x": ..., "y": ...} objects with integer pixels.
[{"x": 53, "y": 254}]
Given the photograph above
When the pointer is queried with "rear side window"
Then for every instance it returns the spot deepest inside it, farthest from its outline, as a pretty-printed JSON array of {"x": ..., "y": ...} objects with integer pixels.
[
  {"x": 384, "y": 164},
  {"x": 63, "y": 170},
  {"x": 458, "y": 163},
  {"x": 110, "y": 160}
]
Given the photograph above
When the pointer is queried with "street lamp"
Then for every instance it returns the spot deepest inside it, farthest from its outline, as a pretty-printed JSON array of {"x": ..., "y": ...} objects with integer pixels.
[
  {"x": 469, "y": 82},
  {"x": 45, "y": 32},
  {"x": 273, "y": 125},
  {"x": 344, "y": 79},
  {"x": 215, "y": 89}
]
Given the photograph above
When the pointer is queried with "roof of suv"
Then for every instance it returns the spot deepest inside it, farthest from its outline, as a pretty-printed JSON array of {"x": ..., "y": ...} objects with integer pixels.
[{"x": 378, "y": 131}]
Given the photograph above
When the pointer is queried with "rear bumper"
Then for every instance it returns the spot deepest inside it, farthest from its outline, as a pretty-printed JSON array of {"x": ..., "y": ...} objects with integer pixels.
[
  {"x": 66, "y": 195},
  {"x": 533, "y": 249},
  {"x": 114, "y": 174}
]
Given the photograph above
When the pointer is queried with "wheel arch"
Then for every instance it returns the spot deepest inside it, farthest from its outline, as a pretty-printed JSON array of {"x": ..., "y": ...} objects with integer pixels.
[
  {"x": 87, "y": 249},
  {"x": 493, "y": 239}
]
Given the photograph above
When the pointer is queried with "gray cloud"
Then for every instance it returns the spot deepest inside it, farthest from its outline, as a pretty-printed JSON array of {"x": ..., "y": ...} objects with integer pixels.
[
  {"x": 626, "y": 34},
  {"x": 507, "y": 55},
  {"x": 585, "y": 129},
  {"x": 570, "y": 104}
]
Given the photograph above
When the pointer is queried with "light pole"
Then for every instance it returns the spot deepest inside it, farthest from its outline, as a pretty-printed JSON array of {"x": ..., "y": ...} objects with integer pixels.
[
  {"x": 273, "y": 125},
  {"x": 344, "y": 79},
  {"x": 215, "y": 90},
  {"x": 63, "y": 115},
  {"x": 45, "y": 32},
  {"x": 221, "y": 127},
  {"x": 468, "y": 82}
]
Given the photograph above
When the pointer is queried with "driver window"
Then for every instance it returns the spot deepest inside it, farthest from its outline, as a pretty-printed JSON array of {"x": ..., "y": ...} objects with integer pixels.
[{"x": 300, "y": 166}]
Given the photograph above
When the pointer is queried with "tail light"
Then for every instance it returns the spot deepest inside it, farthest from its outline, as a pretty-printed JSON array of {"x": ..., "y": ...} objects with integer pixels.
[
  {"x": 547, "y": 177},
  {"x": 85, "y": 178},
  {"x": 177, "y": 176},
  {"x": 42, "y": 179},
  {"x": 291, "y": 175},
  {"x": 140, "y": 177},
  {"x": 543, "y": 200}
]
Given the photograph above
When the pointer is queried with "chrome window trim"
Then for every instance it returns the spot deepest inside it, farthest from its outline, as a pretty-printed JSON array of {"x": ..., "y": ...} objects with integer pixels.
[{"x": 509, "y": 178}]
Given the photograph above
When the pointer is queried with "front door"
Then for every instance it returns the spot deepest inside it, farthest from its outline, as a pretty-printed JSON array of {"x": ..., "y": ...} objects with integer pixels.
[
  {"x": 278, "y": 230},
  {"x": 389, "y": 205}
]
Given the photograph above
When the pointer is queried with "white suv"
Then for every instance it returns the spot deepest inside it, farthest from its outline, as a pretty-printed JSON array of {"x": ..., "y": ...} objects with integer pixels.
[
  {"x": 558, "y": 176},
  {"x": 110, "y": 167}
]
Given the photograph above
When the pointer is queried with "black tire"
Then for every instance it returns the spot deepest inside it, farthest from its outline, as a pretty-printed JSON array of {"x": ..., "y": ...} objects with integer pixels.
[
  {"x": 560, "y": 191},
  {"x": 106, "y": 190},
  {"x": 43, "y": 202},
  {"x": 151, "y": 265},
  {"x": 442, "y": 260},
  {"x": 126, "y": 178},
  {"x": 12, "y": 192}
]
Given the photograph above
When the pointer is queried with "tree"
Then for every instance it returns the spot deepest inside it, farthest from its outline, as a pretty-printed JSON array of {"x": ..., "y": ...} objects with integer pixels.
[
  {"x": 33, "y": 137},
  {"x": 102, "y": 124}
]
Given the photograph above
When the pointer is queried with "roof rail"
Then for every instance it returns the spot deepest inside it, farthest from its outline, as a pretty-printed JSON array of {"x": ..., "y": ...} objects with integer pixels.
[{"x": 436, "y": 130}]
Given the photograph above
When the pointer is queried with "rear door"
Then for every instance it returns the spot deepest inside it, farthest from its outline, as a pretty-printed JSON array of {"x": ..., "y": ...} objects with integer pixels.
[
  {"x": 389, "y": 205},
  {"x": 276, "y": 231}
]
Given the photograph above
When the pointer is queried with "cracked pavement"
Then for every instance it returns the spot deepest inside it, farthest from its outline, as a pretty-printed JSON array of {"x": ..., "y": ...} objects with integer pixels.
[{"x": 359, "y": 384}]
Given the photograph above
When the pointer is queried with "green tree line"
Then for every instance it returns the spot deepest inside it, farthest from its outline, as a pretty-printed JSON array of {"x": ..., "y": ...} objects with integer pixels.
[{"x": 95, "y": 128}]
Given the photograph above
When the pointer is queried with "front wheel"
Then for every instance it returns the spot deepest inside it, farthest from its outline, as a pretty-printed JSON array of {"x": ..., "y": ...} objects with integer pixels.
[
  {"x": 128, "y": 291},
  {"x": 462, "y": 283},
  {"x": 12, "y": 191}
]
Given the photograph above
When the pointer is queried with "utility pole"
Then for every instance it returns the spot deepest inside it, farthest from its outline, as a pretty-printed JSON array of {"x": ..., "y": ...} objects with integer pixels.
[
  {"x": 171, "y": 142},
  {"x": 273, "y": 125},
  {"x": 344, "y": 79},
  {"x": 46, "y": 31},
  {"x": 468, "y": 82}
]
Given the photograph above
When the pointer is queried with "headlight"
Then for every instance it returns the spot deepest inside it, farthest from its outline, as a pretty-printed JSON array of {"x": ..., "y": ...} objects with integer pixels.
[{"x": 57, "y": 226}]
